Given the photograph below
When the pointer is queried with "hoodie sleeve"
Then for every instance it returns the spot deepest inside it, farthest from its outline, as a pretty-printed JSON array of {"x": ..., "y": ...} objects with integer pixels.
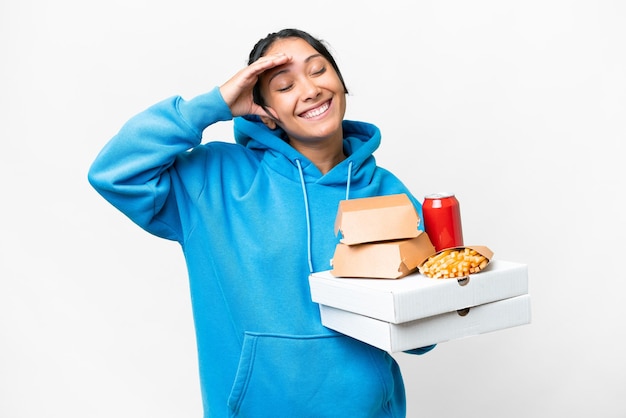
[{"x": 132, "y": 171}]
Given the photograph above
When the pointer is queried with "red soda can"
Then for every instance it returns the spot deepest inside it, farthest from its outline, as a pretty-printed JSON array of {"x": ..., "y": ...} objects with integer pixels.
[{"x": 442, "y": 220}]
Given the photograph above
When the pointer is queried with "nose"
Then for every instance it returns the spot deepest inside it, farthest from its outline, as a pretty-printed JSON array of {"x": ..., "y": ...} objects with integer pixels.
[{"x": 310, "y": 90}]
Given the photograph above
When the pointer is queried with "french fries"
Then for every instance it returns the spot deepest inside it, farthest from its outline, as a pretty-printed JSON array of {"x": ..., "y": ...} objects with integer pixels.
[{"x": 454, "y": 262}]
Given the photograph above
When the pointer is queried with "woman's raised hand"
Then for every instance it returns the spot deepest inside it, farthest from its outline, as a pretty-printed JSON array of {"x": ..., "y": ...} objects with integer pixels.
[{"x": 237, "y": 92}]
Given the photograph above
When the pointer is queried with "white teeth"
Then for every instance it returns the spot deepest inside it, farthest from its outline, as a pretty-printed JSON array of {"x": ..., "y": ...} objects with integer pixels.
[{"x": 316, "y": 112}]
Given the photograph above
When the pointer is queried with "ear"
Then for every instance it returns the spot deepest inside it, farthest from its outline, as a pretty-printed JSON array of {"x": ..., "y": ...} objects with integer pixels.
[
  {"x": 271, "y": 118},
  {"x": 269, "y": 122}
]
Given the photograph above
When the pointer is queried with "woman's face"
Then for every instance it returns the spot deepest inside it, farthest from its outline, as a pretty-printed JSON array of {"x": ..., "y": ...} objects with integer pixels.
[{"x": 305, "y": 95}]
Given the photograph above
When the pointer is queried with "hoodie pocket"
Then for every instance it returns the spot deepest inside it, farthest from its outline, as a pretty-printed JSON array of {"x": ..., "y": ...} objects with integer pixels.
[{"x": 313, "y": 376}]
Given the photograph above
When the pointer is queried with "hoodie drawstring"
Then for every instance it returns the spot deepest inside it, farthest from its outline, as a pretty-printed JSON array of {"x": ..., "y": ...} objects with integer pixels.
[
  {"x": 308, "y": 217},
  {"x": 306, "y": 207},
  {"x": 349, "y": 180}
]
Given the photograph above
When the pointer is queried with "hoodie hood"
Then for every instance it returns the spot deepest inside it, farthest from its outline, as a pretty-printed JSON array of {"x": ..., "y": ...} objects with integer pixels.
[{"x": 360, "y": 141}]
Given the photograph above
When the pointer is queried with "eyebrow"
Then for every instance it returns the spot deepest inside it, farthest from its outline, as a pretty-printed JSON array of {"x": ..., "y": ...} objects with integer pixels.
[{"x": 285, "y": 70}]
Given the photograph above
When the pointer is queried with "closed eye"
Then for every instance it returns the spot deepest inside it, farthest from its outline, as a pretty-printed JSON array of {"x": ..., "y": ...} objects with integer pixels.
[
  {"x": 320, "y": 71},
  {"x": 286, "y": 88}
]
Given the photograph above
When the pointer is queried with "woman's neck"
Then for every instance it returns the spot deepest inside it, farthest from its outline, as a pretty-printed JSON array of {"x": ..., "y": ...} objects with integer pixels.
[{"x": 324, "y": 157}]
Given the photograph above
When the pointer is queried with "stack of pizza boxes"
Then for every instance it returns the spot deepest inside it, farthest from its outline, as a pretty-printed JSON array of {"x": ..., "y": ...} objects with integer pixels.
[{"x": 375, "y": 293}]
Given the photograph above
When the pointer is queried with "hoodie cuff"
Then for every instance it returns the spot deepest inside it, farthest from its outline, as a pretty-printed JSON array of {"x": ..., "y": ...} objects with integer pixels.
[{"x": 205, "y": 109}]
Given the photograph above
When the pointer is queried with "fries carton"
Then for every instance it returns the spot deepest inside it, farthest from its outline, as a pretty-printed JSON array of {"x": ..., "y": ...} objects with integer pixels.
[
  {"x": 417, "y": 296},
  {"x": 379, "y": 218},
  {"x": 384, "y": 259},
  {"x": 435, "y": 329},
  {"x": 456, "y": 262}
]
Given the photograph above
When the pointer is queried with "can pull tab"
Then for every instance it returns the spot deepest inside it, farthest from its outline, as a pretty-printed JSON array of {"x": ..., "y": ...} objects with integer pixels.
[{"x": 463, "y": 281}]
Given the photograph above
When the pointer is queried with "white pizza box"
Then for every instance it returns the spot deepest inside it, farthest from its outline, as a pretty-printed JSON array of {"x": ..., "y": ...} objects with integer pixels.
[
  {"x": 489, "y": 317},
  {"x": 417, "y": 296}
]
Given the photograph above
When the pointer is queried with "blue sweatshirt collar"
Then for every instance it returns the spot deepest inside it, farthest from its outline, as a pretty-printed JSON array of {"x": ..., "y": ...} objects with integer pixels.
[{"x": 360, "y": 141}]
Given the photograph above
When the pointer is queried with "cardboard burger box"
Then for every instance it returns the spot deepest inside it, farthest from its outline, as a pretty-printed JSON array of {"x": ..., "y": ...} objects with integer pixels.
[
  {"x": 379, "y": 237},
  {"x": 390, "y": 259},
  {"x": 379, "y": 218}
]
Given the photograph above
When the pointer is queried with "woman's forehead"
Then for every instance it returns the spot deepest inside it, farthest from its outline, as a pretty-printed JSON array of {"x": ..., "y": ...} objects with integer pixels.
[{"x": 291, "y": 46}]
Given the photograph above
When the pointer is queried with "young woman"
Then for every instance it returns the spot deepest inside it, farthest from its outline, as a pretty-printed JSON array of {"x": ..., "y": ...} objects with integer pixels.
[{"x": 254, "y": 218}]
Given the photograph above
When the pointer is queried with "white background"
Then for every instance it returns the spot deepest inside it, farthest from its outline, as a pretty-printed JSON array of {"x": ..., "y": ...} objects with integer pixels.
[{"x": 518, "y": 107}]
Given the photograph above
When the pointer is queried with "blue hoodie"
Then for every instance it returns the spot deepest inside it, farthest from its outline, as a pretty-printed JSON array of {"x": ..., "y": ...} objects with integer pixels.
[{"x": 253, "y": 219}]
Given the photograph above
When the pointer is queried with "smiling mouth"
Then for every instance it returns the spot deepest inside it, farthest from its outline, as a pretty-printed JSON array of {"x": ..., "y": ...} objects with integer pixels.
[{"x": 316, "y": 112}]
